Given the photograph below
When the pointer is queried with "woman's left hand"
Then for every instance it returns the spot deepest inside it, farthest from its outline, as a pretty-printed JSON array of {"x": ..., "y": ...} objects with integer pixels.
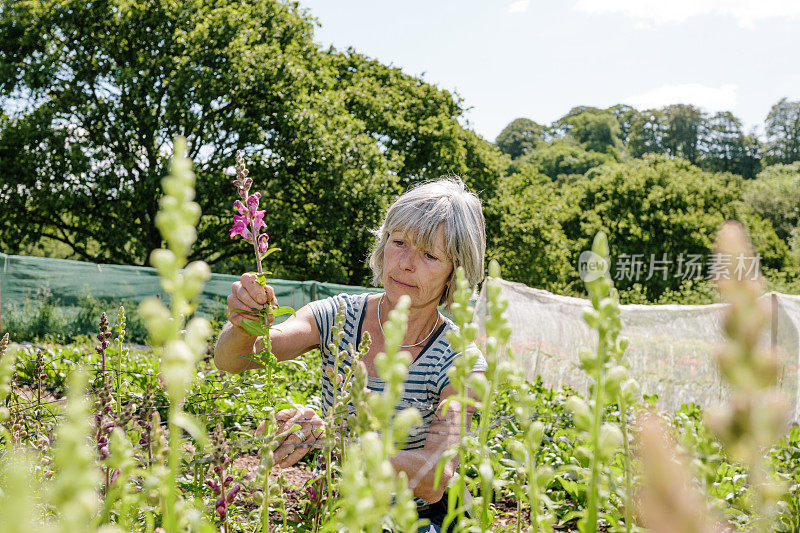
[{"x": 295, "y": 445}]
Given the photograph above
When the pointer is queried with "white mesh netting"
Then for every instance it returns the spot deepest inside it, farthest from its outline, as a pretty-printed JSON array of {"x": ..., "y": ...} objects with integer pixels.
[{"x": 671, "y": 346}]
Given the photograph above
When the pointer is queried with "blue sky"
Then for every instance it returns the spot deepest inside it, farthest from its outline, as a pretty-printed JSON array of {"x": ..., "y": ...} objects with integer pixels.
[{"x": 539, "y": 58}]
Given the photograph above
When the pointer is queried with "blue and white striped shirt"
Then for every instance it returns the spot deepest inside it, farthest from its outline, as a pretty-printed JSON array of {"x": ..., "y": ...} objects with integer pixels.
[{"x": 427, "y": 374}]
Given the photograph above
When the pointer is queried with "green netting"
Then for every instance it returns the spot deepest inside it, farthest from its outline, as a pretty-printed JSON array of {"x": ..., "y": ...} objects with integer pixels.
[{"x": 69, "y": 287}]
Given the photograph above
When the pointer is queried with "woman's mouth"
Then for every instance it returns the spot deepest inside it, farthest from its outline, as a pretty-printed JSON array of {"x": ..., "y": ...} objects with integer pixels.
[{"x": 401, "y": 284}]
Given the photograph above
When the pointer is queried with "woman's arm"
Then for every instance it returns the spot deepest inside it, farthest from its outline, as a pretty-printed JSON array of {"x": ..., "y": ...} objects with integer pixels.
[
  {"x": 420, "y": 465},
  {"x": 291, "y": 338}
]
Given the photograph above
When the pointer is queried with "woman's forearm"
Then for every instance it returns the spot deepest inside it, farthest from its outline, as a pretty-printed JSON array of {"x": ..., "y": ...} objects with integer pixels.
[
  {"x": 233, "y": 348},
  {"x": 420, "y": 468}
]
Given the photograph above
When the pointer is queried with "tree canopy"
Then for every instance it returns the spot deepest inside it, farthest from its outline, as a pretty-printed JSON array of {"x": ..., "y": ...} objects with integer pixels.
[
  {"x": 99, "y": 89},
  {"x": 658, "y": 206}
]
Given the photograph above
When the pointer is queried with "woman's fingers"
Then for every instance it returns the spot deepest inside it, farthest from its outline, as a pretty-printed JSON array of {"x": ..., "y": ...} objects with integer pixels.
[
  {"x": 260, "y": 295},
  {"x": 293, "y": 448},
  {"x": 248, "y": 294},
  {"x": 246, "y": 297}
]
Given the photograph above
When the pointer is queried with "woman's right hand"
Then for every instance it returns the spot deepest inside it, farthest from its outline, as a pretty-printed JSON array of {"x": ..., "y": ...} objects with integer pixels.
[{"x": 247, "y": 293}]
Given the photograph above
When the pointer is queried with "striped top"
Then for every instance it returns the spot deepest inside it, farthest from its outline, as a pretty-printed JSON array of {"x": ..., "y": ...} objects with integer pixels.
[{"x": 427, "y": 374}]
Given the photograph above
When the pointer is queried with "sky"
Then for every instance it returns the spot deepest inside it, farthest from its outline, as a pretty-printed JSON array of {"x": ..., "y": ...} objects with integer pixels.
[{"x": 539, "y": 58}]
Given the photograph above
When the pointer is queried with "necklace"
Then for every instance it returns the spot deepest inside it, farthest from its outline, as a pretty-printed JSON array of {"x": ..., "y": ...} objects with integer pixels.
[{"x": 404, "y": 345}]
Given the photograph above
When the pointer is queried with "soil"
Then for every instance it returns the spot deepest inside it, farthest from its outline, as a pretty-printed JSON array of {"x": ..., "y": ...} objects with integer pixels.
[{"x": 294, "y": 492}]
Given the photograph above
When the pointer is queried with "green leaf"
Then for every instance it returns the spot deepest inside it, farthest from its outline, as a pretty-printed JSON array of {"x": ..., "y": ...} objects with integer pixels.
[
  {"x": 269, "y": 252},
  {"x": 256, "y": 329},
  {"x": 283, "y": 310}
]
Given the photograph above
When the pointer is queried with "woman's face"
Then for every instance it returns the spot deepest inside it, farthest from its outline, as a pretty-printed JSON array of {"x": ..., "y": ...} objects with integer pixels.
[{"x": 419, "y": 273}]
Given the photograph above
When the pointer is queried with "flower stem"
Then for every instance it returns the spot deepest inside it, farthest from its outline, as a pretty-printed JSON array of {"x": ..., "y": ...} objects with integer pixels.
[
  {"x": 254, "y": 236},
  {"x": 170, "y": 497}
]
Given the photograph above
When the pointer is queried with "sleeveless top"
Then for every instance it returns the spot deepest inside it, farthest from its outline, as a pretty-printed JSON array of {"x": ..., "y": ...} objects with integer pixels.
[{"x": 427, "y": 374}]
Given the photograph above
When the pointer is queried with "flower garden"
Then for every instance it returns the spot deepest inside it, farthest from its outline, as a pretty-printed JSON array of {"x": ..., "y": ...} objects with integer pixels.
[{"x": 103, "y": 436}]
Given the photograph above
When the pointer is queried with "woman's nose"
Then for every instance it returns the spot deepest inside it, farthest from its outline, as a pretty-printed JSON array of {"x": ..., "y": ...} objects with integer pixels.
[{"x": 407, "y": 261}]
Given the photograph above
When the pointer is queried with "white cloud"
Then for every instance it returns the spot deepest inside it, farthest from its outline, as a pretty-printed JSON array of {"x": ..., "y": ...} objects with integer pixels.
[
  {"x": 709, "y": 98},
  {"x": 645, "y": 12},
  {"x": 520, "y": 6}
]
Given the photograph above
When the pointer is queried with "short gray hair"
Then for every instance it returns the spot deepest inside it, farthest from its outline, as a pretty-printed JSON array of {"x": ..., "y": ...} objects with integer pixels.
[{"x": 420, "y": 211}]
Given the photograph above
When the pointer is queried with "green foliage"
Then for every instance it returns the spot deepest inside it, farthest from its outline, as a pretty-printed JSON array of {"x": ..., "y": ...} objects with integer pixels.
[
  {"x": 775, "y": 196},
  {"x": 564, "y": 160},
  {"x": 656, "y": 205},
  {"x": 332, "y": 136},
  {"x": 44, "y": 317},
  {"x": 529, "y": 238},
  {"x": 595, "y": 130},
  {"x": 783, "y": 132},
  {"x": 519, "y": 137}
]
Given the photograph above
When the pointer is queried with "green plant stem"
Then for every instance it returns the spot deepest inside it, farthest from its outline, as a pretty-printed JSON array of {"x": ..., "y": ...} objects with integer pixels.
[
  {"x": 254, "y": 235},
  {"x": 265, "y": 503},
  {"x": 623, "y": 415},
  {"x": 118, "y": 372},
  {"x": 533, "y": 492},
  {"x": 594, "y": 479},
  {"x": 486, "y": 492},
  {"x": 170, "y": 493}
]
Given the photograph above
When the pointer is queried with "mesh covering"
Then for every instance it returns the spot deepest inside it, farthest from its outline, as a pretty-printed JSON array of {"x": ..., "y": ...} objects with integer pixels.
[
  {"x": 68, "y": 282},
  {"x": 671, "y": 346}
]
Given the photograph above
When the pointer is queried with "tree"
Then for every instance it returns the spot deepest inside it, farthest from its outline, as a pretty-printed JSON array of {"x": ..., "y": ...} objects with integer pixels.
[
  {"x": 658, "y": 205},
  {"x": 725, "y": 147},
  {"x": 625, "y": 116},
  {"x": 96, "y": 91},
  {"x": 775, "y": 196},
  {"x": 783, "y": 132},
  {"x": 647, "y": 133},
  {"x": 683, "y": 125},
  {"x": 563, "y": 159},
  {"x": 596, "y": 130},
  {"x": 529, "y": 242},
  {"x": 519, "y": 137}
]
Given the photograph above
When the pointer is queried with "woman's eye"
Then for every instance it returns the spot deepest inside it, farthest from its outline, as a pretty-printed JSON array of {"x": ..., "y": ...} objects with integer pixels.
[
  {"x": 431, "y": 257},
  {"x": 399, "y": 242}
]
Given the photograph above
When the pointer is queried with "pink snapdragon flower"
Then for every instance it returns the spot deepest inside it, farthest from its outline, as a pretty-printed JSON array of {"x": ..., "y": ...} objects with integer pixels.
[
  {"x": 258, "y": 220},
  {"x": 252, "y": 203},
  {"x": 249, "y": 220},
  {"x": 240, "y": 228}
]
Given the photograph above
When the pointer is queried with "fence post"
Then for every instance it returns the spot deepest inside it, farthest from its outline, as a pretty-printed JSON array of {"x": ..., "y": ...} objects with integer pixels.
[
  {"x": 313, "y": 291},
  {"x": 773, "y": 337}
]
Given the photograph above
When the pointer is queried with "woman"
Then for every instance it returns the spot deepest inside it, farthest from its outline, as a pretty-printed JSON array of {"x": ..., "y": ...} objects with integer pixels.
[{"x": 428, "y": 232}]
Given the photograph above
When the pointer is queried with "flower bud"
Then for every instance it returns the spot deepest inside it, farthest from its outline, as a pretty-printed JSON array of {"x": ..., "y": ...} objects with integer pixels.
[
  {"x": 479, "y": 385},
  {"x": 630, "y": 391},
  {"x": 614, "y": 377},
  {"x": 517, "y": 450},
  {"x": 600, "y": 244},
  {"x": 581, "y": 414},
  {"x": 487, "y": 473},
  {"x": 233, "y": 492},
  {"x": 610, "y": 440}
]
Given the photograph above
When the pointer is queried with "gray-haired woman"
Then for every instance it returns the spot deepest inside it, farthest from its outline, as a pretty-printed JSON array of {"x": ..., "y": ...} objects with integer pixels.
[{"x": 427, "y": 233}]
